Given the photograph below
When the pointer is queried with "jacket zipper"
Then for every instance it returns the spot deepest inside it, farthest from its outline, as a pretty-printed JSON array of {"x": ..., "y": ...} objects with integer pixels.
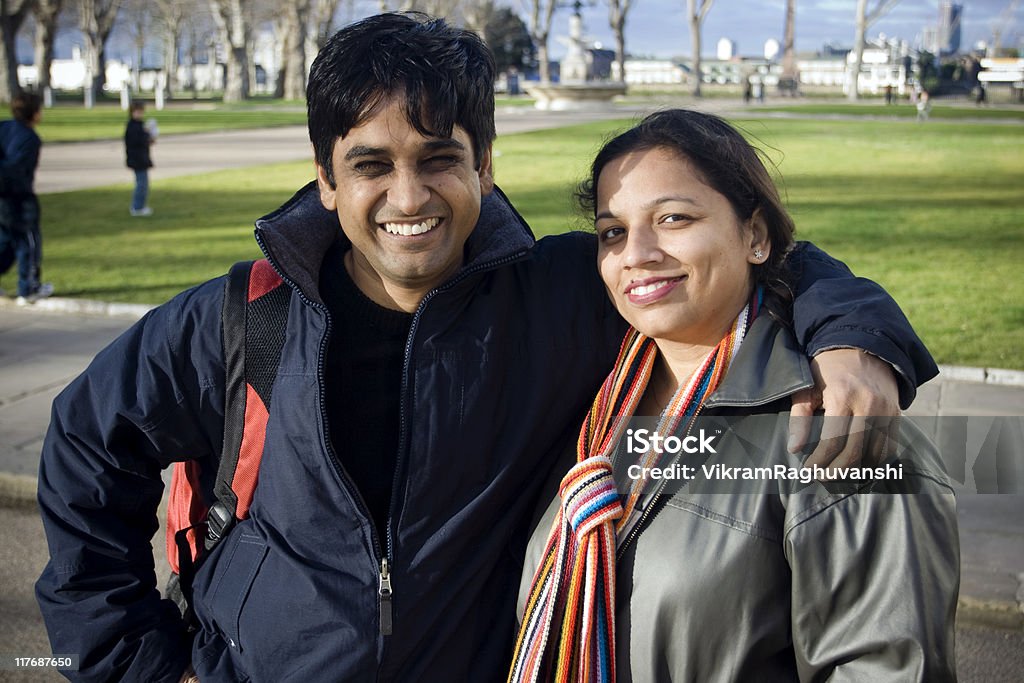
[
  {"x": 385, "y": 592},
  {"x": 379, "y": 558},
  {"x": 657, "y": 503}
]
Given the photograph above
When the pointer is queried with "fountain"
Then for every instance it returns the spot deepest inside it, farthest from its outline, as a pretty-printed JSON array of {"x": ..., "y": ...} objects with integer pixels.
[{"x": 578, "y": 88}]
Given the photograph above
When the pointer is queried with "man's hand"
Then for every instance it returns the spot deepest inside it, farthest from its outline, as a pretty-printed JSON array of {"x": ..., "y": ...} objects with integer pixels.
[{"x": 851, "y": 386}]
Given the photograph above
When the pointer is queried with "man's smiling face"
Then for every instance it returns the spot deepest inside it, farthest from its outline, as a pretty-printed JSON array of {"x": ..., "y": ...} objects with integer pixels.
[{"x": 407, "y": 203}]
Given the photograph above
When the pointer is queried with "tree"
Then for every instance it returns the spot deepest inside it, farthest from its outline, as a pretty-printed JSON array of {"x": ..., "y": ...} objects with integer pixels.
[
  {"x": 541, "y": 13},
  {"x": 139, "y": 16},
  {"x": 617, "y": 11},
  {"x": 45, "y": 14},
  {"x": 478, "y": 15},
  {"x": 696, "y": 11},
  {"x": 171, "y": 16},
  {"x": 864, "y": 21},
  {"x": 293, "y": 23},
  {"x": 12, "y": 16},
  {"x": 789, "y": 44},
  {"x": 322, "y": 17},
  {"x": 509, "y": 40},
  {"x": 95, "y": 21},
  {"x": 233, "y": 31}
]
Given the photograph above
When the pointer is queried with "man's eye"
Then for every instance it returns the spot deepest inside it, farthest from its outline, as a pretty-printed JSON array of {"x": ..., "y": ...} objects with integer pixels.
[
  {"x": 372, "y": 168},
  {"x": 442, "y": 161}
]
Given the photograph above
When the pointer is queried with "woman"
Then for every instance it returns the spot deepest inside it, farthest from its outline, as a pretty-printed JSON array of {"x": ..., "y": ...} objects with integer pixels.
[{"x": 780, "y": 579}]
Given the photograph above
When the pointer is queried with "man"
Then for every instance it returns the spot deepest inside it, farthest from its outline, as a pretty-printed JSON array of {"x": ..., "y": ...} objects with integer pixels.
[
  {"x": 436, "y": 363},
  {"x": 20, "y": 237}
]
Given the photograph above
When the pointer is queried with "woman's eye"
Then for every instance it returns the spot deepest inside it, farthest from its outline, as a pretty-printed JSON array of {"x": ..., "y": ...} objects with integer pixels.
[
  {"x": 607, "y": 234},
  {"x": 675, "y": 218}
]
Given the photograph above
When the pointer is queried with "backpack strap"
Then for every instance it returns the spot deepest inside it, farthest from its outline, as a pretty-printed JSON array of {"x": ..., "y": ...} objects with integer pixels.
[{"x": 254, "y": 317}]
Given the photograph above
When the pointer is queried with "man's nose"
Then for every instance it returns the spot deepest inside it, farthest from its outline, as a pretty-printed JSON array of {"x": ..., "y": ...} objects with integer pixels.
[{"x": 408, "y": 193}]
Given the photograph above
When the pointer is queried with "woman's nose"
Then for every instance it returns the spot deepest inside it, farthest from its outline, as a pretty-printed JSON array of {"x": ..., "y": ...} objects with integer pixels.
[{"x": 641, "y": 248}]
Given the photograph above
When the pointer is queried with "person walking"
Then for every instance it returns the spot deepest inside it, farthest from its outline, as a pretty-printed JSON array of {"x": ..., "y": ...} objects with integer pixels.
[
  {"x": 20, "y": 237},
  {"x": 138, "y": 137}
]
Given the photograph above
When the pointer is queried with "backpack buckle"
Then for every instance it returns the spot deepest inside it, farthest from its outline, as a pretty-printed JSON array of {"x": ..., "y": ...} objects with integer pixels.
[{"x": 219, "y": 521}]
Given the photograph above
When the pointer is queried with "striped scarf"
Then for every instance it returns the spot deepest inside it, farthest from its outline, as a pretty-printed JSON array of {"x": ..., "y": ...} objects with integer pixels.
[{"x": 568, "y": 629}]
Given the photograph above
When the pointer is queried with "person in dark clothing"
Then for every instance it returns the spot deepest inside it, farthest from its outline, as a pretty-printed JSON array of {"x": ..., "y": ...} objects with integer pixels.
[
  {"x": 137, "y": 140},
  {"x": 436, "y": 359},
  {"x": 21, "y": 240}
]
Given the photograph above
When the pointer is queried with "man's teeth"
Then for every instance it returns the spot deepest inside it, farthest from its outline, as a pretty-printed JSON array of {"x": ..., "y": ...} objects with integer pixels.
[
  {"x": 647, "y": 289},
  {"x": 408, "y": 229}
]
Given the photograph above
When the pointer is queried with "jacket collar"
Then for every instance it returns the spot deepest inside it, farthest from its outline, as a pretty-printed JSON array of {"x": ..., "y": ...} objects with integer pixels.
[
  {"x": 296, "y": 236},
  {"x": 769, "y": 366}
]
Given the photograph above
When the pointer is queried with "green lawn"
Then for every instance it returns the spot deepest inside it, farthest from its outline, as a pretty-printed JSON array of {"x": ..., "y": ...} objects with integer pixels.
[
  {"x": 75, "y": 124},
  {"x": 901, "y": 110},
  {"x": 934, "y": 212},
  {"x": 106, "y": 121}
]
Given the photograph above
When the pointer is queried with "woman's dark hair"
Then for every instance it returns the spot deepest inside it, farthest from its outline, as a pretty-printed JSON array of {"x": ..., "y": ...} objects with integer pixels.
[
  {"x": 728, "y": 164},
  {"x": 446, "y": 75}
]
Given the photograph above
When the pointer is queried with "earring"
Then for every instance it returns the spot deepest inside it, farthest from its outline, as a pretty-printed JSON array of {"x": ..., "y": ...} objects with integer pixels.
[{"x": 758, "y": 254}]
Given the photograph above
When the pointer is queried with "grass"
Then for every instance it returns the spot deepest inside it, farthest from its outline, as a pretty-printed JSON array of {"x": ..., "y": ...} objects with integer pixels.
[
  {"x": 75, "y": 124},
  {"x": 932, "y": 212},
  {"x": 901, "y": 110}
]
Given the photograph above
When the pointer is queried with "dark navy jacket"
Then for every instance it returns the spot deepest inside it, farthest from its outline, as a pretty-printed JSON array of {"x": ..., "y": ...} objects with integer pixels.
[
  {"x": 136, "y": 146},
  {"x": 19, "y": 157},
  {"x": 501, "y": 363}
]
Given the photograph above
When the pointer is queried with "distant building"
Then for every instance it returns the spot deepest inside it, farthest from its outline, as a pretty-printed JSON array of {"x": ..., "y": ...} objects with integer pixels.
[
  {"x": 771, "y": 49},
  {"x": 653, "y": 72},
  {"x": 885, "y": 62},
  {"x": 726, "y": 49},
  {"x": 950, "y": 16}
]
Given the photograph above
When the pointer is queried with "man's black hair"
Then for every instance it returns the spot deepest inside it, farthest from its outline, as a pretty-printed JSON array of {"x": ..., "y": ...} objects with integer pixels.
[{"x": 445, "y": 74}]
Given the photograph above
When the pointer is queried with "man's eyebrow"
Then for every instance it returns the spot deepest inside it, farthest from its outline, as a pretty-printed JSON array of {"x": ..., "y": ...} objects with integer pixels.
[
  {"x": 360, "y": 151},
  {"x": 444, "y": 143},
  {"x": 364, "y": 151}
]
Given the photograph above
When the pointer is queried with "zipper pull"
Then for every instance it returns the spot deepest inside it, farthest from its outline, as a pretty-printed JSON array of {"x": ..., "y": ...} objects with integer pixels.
[{"x": 385, "y": 598}]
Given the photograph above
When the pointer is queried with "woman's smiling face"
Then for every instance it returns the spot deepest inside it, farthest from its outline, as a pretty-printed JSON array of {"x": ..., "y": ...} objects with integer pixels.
[{"x": 672, "y": 252}]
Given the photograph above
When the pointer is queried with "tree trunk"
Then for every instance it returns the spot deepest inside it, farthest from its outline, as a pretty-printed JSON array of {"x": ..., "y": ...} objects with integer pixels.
[
  {"x": 233, "y": 35},
  {"x": 294, "y": 62},
  {"x": 695, "y": 42},
  {"x": 12, "y": 15},
  {"x": 45, "y": 13},
  {"x": 543, "y": 68},
  {"x": 789, "y": 42},
  {"x": 853, "y": 73},
  {"x": 96, "y": 21},
  {"x": 620, "y": 48},
  {"x": 171, "y": 63}
]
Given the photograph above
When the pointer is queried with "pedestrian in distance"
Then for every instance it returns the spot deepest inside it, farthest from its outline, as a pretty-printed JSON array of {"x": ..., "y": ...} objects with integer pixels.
[
  {"x": 888, "y": 95},
  {"x": 924, "y": 107},
  {"x": 21, "y": 239},
  {"x": 434, "y": 360},
  {"x": 138, "y": 138}
]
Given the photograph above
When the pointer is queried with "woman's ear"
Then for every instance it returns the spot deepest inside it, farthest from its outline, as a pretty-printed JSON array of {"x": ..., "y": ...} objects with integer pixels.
[{"x": 760, "y": 246}]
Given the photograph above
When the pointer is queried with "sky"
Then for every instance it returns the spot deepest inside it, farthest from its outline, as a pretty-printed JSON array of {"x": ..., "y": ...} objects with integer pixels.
[{"x": 660, "y": 28}]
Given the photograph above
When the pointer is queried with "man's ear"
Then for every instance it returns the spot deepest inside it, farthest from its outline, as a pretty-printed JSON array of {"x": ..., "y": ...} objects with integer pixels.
[
  {"x": 486, "y": 174},
  {"x": 759, "y": 242},
  {"x": 328, "y": 193}
]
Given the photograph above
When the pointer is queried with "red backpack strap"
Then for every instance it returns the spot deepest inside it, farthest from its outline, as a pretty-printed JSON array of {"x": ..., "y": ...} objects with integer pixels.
[
  {"x": 254, "y": 317},
  {"x": 255, "y": 301}
]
